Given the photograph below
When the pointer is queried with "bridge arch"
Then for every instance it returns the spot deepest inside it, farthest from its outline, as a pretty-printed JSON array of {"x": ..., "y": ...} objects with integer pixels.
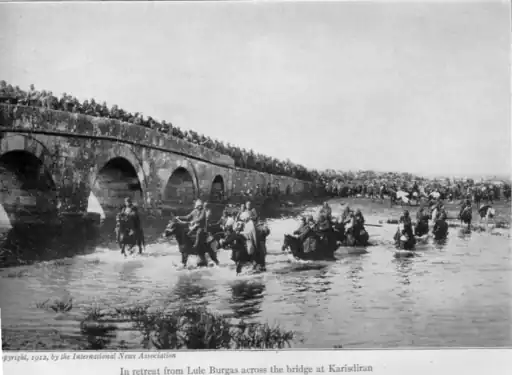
[
  {"x": 22, "y": 142},
  {"x": 182, "y": 184},
  {"x": 27, "y": 184},
  {"x": 118, "y": 174},
  {"x": 218, "y": 189}
]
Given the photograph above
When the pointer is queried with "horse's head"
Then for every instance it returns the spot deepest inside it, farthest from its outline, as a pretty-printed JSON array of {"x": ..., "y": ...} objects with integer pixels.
[{"x": 172, "y": 228}]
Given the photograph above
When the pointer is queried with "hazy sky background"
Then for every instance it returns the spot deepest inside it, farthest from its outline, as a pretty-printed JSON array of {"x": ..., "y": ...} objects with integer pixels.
[{"x": 387, "y": 86}]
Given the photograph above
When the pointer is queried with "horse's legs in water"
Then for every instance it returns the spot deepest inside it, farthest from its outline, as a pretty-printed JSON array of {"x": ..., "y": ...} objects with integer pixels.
[
  {"x": 261, "y": 261},
  {"x": 139, "y": 244},
  {"x": 213, "y": 255},
  {"x": 239, "y": 265},
  {"x": 202, "y": 259},
  {"x": 184, "y": 258}
]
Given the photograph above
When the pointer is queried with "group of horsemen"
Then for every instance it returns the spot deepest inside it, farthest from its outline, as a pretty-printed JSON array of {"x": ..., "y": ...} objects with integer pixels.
[
  {"x": 243, "y": 225},
  {"x": 239, "y": 226}
]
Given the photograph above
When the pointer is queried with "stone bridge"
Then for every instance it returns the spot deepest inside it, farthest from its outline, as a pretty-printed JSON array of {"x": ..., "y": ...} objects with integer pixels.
[{"x": 59, "y": 162}]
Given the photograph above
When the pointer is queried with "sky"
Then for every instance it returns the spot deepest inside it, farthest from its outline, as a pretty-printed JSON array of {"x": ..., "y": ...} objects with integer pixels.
[{"x": 388, "y": 86}]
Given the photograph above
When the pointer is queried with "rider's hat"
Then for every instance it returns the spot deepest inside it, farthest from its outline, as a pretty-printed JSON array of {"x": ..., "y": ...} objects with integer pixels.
[{"x": 198, "y": 203}]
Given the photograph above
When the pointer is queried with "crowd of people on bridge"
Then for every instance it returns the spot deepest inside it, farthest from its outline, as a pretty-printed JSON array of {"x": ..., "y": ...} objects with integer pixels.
[
  {"x": 327, "y": 182},
  {"x": 243, "y": 158}
]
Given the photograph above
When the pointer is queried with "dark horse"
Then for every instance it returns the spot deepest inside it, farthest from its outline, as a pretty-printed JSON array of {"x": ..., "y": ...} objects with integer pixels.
[
  {"x": 466, "y": 216},
  {"x": 356, "y": 236},
  {"x": 309, "y": 251},
  {"x": 440, "y": 230},
  {"x": 238, "y": 245},
  {"x": 352, "y": 236},
  {"x": 207, "y": 244},
  {"x": 127, "y": 236},
  {"x": 421, "y": 227},
  {"x": 404, "y": 241}
]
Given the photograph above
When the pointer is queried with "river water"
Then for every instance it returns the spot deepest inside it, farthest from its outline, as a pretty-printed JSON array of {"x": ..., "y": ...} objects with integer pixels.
[{"x": 455, "y": 294}]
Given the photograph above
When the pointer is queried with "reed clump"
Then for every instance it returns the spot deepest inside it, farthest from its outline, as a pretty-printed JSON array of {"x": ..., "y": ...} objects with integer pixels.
[{"x": 196, "y": 328}]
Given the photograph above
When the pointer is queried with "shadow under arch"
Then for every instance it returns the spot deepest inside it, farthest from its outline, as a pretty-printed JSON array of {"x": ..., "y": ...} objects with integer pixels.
[
  {"x": 180, "y": 187},
  {"x": 27, "y": 189},
  {"x": 218, "y": 189},
  {"x": 30, "y": 207},
  {"x": 116, "y": 180}
]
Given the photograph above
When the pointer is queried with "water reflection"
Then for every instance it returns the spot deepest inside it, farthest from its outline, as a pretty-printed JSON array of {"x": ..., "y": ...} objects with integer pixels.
[
  {"x": 440, "y": 243},
  {"x": 403, "y": 267},
  {"x": 464, "y": 233},
  {"x": 246, "y": 298},
  {"x": 322, "y": 281},
  {"x": 128, "y": 272},
  {"x": 28, "y": 243},
  {"x": 190, "y": 287},
  {"x": 354, "y": 273}
]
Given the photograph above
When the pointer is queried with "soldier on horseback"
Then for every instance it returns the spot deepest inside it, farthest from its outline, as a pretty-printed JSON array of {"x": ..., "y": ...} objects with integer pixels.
[
  {"x": 197, "y": 223},
  {"x": 466, "y": 211},
  {"x": 346, "y": 216},
  {"x": 252, "y": 211},
  {"x": 326, "y": 211},
  {"x": 422, "y": 218},
  {"x": 359, "y": 219},
  {"x": 324, "y": 228},
  {"x": 129, "y": 220},
  {"x": 465, "y": 206},
  {"x": 405, "y": 219},
  {"x": 355, "y": 232}
]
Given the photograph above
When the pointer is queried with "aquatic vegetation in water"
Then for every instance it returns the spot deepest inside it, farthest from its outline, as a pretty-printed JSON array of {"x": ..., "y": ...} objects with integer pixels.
[
  {"x": 94, "y": 313},
  {"x": 49, "y": 340},
  {"x": 57, "y": 305},
  {"x": 261, "y": 336},
  {"x": 42, "y": 305},
  {"x": 62, "y": 305},
  {"x": 17, "y": 274},
  {"x": 97, "y": 333},
  {"x": 195, "y": 328}
]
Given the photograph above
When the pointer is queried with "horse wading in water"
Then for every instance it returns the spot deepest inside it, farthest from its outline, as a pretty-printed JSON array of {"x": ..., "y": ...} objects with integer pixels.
[
  {"x": 355, "y": 232},
  {"x": 247, "y": 241},
  {"x": 421, "y": 227},
  {"x": 192, "y": 238},
  {"x": 486, "y": 212},
  {"x": 306, "y": 245},
  {"x": 129, "y": 231},
  {"x": 440, "y": 229},
  {"x": 404, "y": 236},
  {"x": 466, "y": 214}
]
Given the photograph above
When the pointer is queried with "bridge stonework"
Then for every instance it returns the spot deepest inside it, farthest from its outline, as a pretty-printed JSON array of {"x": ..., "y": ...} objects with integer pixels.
[{"x": 60, "y": 159}]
